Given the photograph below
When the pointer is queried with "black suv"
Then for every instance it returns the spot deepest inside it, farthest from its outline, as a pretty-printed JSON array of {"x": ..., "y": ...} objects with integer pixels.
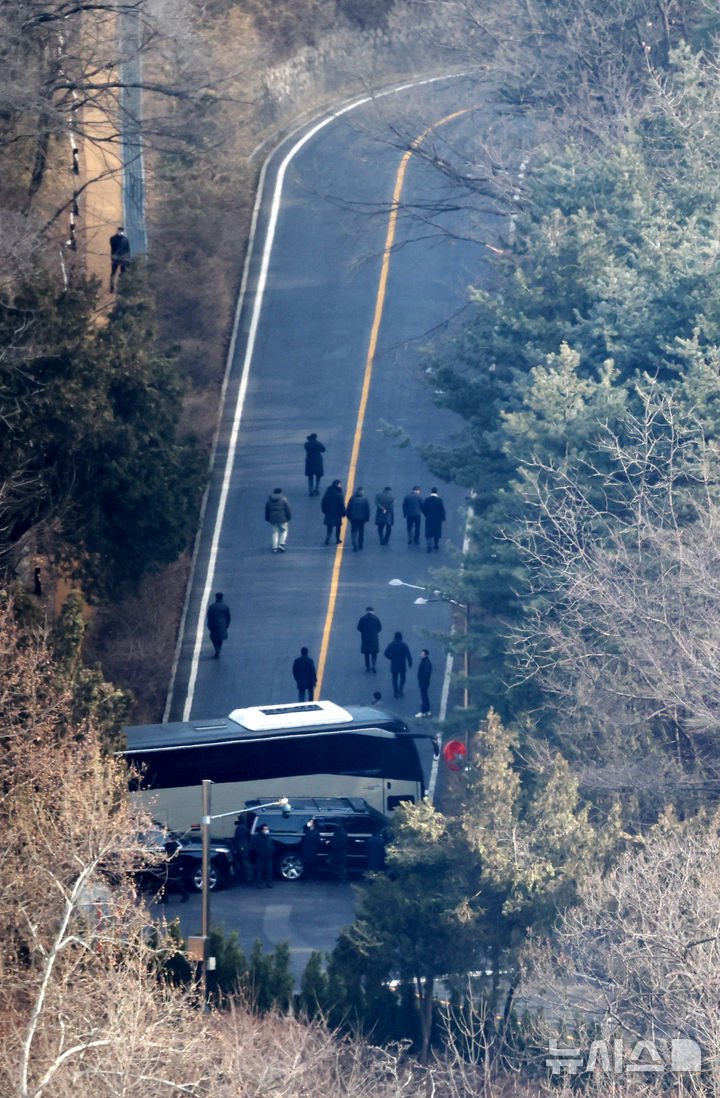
[
  {"x": 176, "y": 862},
  {"x": 359, "y": 819}
]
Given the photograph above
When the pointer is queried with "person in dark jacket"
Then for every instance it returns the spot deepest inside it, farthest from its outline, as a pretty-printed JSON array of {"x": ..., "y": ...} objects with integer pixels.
[
  {"x": 375, "y": 852},
  {"x": 370, "y": 628},
  {"x": 218, "y": 619},
  {"x": 305, "y": 676},
  {"x": 262, "y": 846},
  {"x": 241, "y": 850},
  {"x": 433, "y": 509},
  {"x": 423, "y": 673},
  {"x": 278, "y": 514},
  {"x": 337, "y": 854},
  {"x": 119, "y": 255},
  {"x": 400, "y": 660},
  {"x": 412, "y": 510},
  {"x": 309, "y": 848},
  {"x": 333, "y": 508},
  {"x": 384, "y": 514},
  {"x": 357, "y": 510},
  {"x": 314, "y": 467}
]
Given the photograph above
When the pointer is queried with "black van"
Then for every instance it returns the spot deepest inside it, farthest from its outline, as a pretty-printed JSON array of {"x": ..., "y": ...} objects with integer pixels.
[{"x": 358, "y": 818}]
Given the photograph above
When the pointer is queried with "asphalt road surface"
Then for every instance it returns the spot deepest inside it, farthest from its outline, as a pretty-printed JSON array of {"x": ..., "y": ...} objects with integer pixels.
[
  {"x": 339, "y": 294},
  {"x": 361, "y": 257}
]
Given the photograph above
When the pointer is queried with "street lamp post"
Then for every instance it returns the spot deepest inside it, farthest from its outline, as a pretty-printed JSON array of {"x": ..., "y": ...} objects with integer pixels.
[{"x": 206, "y": 820}]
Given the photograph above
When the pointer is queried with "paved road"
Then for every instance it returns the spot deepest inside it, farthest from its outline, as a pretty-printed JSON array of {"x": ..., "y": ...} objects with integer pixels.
[
  {"x": 304, "y": 335},
  {"x": 308, "y": 914}
]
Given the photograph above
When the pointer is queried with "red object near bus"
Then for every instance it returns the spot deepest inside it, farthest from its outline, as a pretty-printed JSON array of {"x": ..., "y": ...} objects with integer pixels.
[{"x": 454, "y": 753}]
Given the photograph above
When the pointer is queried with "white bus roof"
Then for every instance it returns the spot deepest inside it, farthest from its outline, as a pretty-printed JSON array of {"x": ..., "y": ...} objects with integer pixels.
[{"x": 264, "y": 718}]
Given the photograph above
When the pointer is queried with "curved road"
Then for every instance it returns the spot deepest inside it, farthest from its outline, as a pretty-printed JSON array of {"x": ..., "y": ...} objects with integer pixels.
[{"x": 358, "y": 258}]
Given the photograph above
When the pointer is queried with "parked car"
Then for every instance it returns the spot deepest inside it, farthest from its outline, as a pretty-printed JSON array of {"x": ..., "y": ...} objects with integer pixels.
[
  {"x": 175, "y": 862},
  {"x": 359, "y": 819}
]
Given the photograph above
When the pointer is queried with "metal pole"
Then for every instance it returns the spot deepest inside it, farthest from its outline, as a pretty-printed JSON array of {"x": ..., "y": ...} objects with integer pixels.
[{"x": 205, "y": 824}]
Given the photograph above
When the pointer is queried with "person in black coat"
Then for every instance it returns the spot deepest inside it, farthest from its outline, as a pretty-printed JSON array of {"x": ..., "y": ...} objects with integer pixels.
[
  {"x": 309, "y": 848},
  {"x": 384, "y": 514},
  {"x": 424, "y": 672},
  {"x": 375, "y": 852},
  {"x": 412, "y": 510},
  {"x": 370, "y": 628},
  {"x": 357, "y": 510},
  {"x": 305, "y": 676},
  {"x": 262, "y": 846},
  {"x": 337, "y": 854},
  {"x": 218, "y": 619},
  {"x": 119, "y": 255},
  {"x": 433, "y": 509},
  {"x": 314, "y": 467},
  {"x": 333, "y": 508},
  {"x": 241, "y": 849},
  {"x": 400, "y": 660}
]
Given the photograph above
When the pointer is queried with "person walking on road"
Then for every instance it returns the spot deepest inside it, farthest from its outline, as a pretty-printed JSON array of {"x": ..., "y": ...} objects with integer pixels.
[
  {"x": 423, "y": 673},
  {"x": 370, "y": 628},
  {"x": 262, "y": 846},
  {"x": 218, "y": 619},
  {"x": 357, "y": 510},
  {"x": 119, "y": 255},
  {"x": 433, "y": 509},
  {"x": 277, "y": 513},
  {"x": 412, "y": 510},
  {"x": 333, "y": 508},
  {"x": 384, "y": 514},
  {"x": 305, "y": 676},
  {"x": 314, "y": 467},
  {"x": 400, "y": 660}
]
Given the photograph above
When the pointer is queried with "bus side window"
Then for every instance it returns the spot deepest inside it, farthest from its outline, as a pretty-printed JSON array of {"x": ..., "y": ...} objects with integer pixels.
[{"x": 393, "y": 802}]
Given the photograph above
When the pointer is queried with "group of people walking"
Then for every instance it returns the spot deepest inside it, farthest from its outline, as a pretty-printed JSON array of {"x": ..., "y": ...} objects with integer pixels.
[
  {"x": 357, "y": 510},
  {"x": 399, "y": 655}
]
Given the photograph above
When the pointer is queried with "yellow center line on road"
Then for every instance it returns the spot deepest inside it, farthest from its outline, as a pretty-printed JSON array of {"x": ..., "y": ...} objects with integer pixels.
[{"x": 367, "y": 377}]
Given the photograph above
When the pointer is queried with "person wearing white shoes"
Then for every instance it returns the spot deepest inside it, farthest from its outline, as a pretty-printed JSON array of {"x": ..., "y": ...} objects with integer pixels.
[{"x": 277, "y": 513}]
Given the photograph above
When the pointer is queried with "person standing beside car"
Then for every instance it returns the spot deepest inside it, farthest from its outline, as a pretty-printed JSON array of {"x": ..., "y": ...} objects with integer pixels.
[
  {"x": 241, "y": 850},
  {"x": 263, "y": 848},
  {"x": 337, "y": 855},
  {"x": 309, "y": 848},
  {"x": 424, "y": 672}
]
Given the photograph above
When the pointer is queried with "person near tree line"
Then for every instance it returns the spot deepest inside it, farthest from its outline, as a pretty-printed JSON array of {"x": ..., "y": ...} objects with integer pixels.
[
  {"x": 337, "y": 854},
  {"x": 119, "y": 255},
  {"x": 309, "y": 848},
  {"x": 333, "y": 508},
  {"x": 278, "y": 514},
  {"x": 375, "y": 852},
  {"x": 357, "y": 510},
  {"x": 370, "y": 628},
  {"x": 218, "y": 620},
  {"x": 433, "y": 509},
  {"x": 412, "y": 510},
  {"x": 400, "y": 660},
  {"x": 424, "y": 672},
  {"x": 262, "y": 847},
  {"x": 241, "y": 850},
  {"x": 314, "y": 467},
  {"x": 384, "y": 514},
  {"x": 305, "y": 675}
]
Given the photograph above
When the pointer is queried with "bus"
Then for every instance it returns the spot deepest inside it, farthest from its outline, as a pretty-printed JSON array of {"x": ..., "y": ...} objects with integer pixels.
[{"x": 264, "y": 753}]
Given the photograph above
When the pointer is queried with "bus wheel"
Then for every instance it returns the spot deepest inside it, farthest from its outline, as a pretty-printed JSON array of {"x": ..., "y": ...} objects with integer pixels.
[{"x": 291, "y": 867}]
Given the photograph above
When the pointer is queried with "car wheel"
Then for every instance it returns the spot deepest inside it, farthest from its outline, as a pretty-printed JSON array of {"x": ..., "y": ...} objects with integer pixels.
[
  {"x": 291, "y": 867},
  {"x": 196, "y": 879}
]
